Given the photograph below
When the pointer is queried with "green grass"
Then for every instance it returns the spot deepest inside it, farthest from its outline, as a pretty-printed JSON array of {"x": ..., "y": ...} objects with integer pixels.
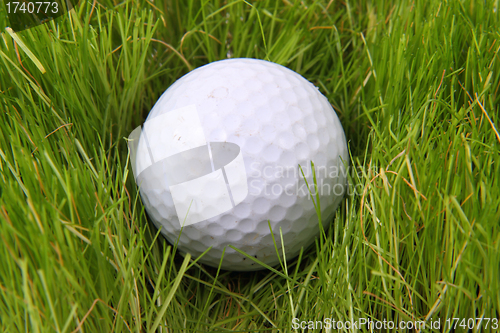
[{"x": 415, "y": 84}]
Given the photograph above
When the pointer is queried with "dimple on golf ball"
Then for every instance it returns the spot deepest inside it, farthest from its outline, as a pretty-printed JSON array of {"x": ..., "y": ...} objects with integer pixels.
[{"x": 222, "y": 157}]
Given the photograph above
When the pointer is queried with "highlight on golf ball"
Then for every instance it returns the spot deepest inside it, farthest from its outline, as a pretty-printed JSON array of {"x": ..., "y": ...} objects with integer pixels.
[{"x": 224, "y": 158}]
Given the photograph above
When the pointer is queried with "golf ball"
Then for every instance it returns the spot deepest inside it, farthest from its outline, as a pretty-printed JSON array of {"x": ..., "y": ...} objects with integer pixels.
[{"x": 224, "y": 158}]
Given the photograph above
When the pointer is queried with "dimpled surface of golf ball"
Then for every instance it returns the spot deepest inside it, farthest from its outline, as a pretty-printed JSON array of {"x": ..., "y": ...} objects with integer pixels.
[{"x": 220, "y": 160}]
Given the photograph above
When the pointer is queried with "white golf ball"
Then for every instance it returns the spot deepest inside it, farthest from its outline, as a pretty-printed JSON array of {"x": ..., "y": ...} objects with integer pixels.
[{"x": 218, "y": 157}]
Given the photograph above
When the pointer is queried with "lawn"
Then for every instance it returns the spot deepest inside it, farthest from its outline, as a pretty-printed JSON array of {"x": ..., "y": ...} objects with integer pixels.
[{"x": 416, "y": 240}]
